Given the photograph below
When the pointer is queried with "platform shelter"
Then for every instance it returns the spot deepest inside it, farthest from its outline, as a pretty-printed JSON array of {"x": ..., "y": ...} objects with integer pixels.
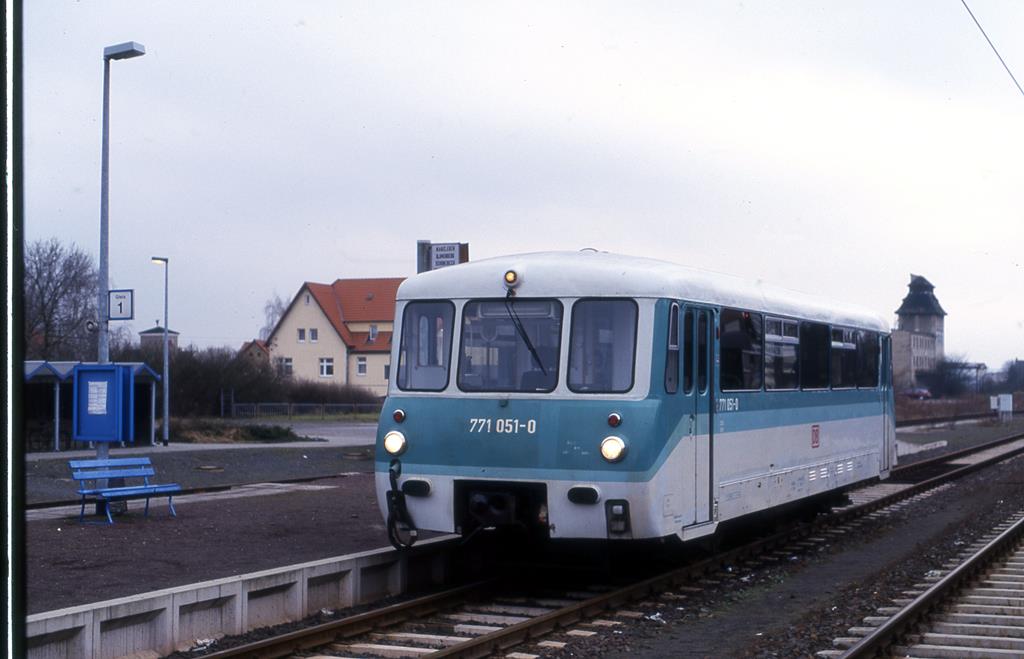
[{"x": 48, "y": 394}]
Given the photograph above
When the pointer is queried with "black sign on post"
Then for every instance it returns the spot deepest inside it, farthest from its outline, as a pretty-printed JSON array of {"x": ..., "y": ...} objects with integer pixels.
[{"x": 431, "y": 256}]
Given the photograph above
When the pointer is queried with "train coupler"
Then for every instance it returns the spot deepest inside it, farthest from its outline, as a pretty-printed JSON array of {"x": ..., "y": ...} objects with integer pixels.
[{"x": 401, "y": 531}]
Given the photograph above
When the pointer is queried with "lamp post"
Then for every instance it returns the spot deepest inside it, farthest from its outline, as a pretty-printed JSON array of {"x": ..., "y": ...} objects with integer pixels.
[
  {"x": 125, "y": 50},
  {"x": 166, "y": 262}
]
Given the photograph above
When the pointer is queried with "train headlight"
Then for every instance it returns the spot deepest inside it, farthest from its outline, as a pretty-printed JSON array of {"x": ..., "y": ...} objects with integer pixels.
[
  {"x": 511, "y": 278},
  {"x": 394, "y": 443},
  {"x": 613, "y": 448}
]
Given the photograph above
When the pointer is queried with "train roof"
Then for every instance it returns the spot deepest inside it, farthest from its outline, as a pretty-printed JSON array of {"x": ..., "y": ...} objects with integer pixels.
[{"x": 590, "y": 273}]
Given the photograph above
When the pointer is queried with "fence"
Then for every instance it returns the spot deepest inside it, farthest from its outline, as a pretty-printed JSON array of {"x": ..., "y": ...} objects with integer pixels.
[{"x": 301, "y": 410}]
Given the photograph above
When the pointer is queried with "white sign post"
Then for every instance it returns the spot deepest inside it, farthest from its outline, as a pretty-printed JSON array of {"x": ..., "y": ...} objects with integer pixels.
[
  {"x": 1005, "y": 408},
  {"x": 443, "y": 255},
  {"x": 121, "y": 304}
]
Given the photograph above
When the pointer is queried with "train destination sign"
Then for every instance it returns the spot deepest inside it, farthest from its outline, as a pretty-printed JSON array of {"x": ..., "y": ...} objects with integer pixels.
[{"x": 443, "y": 255}]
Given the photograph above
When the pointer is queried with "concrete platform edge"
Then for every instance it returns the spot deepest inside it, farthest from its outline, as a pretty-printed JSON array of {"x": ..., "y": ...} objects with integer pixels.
[{"x": 173, "y": 619}]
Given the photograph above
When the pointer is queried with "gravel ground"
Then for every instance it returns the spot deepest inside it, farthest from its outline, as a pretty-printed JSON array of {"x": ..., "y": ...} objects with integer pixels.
[{"x": 795, "y": 608}]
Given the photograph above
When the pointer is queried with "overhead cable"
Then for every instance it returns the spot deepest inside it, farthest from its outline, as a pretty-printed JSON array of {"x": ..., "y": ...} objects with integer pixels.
[{"x": 993, "y": 47}]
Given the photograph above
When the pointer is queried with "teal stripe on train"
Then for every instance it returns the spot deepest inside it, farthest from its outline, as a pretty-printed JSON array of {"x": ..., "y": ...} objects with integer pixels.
[{"x": 459, "y": 436}]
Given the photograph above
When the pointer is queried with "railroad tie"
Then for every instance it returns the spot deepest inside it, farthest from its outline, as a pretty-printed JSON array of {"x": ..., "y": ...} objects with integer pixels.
[
  {"x": 377, "y": 650},
  {"x": 475, "y": 630},
  {"x": 580, "y": 633},
  {"x": 426, "y": 640},
  {"x": 485, "y": 618}
]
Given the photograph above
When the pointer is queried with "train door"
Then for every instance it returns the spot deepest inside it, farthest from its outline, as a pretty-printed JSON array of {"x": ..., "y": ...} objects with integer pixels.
[
  {"x": 698, "y": 362},
  {"x": 889, "y": 415}
]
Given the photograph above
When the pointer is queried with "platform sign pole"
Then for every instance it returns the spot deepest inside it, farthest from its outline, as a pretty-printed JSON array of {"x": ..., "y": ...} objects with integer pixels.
[
  {"x": 152, "y": 413},
  {"x": 56, "y": 416}
]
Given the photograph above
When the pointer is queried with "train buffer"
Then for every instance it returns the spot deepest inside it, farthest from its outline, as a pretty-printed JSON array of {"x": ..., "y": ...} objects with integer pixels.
[{"x": 92, "y": 477}]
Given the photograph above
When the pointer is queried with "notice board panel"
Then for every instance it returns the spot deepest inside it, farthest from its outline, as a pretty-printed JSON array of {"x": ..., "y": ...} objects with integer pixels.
[{"x": 98, "y": 413}]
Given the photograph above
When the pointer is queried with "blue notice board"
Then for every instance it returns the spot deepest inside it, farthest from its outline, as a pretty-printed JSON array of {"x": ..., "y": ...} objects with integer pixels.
[{"x": 103, "y": 408}]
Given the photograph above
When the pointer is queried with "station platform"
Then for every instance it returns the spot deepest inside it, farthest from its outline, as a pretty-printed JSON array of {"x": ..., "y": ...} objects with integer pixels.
[
  {"x": 278, "y": 504},
  {"x": 264, "y": 506}
]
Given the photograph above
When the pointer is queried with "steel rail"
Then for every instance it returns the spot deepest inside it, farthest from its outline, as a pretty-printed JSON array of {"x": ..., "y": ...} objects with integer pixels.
[
  {"x": 885, "y": 636},
  {"x": 521, "y": 632},
  {"x": 954, "y": 455},
  {"x": 324, "y": 633},
  {"x": 906, "y": 423},
  {"x": 917, "y": 488}
]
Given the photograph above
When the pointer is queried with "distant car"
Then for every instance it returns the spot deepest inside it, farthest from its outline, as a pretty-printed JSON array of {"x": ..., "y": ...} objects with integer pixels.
[{"x": 918, "y": 393}]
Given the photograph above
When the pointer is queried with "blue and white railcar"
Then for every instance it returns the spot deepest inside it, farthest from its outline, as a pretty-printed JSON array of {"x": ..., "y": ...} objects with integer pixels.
[{"x": 592, "y": 395}]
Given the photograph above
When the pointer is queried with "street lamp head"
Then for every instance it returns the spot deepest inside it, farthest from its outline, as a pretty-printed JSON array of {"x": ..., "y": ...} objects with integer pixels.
[
  {"x": 124, "y": 50},
  {"x": 160, "y": 260}
]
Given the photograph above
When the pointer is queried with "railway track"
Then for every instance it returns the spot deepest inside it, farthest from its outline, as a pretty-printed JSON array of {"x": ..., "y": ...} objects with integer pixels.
[
  {"x": 975, "y": 609},
  {"x": 480, "y": 619}
]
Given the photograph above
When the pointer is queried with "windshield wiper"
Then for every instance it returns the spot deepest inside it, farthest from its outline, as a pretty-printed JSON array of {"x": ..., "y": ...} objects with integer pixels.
[{"x": 522, "y": 332}]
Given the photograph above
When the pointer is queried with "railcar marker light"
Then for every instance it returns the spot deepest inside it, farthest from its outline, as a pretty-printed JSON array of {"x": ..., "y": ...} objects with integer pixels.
[
  {"x": 614, "y": 419},
  {"x": 394, "y": 443},
  {"x": 511, "y": 278},
  {"x": 613, "y": 448},
  {"x": 398, "y": 416}
]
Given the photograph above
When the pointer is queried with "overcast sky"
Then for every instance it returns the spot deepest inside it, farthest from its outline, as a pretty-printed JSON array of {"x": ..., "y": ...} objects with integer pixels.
[{"x": 832, "y": 148}]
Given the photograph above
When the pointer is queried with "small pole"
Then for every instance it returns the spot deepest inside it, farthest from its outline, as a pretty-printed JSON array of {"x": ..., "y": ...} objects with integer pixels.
[
  {"x": 152, "y": 413},
  {"x": 56, "y": 416}
]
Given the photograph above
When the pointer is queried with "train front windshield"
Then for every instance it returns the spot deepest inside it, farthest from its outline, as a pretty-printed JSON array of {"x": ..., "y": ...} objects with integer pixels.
[
  {"x": 513, "y": 345},
  {"x": 510, "y": 345}
]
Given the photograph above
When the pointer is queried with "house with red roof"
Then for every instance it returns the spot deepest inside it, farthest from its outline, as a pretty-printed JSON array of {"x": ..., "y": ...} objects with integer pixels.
[
  {"x": 338, "y": 333},
  {"x": 255, "y": 350}
]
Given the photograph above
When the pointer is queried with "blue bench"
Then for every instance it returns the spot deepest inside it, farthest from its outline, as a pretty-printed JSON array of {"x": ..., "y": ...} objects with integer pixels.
[{"x": 91, "y": 471}]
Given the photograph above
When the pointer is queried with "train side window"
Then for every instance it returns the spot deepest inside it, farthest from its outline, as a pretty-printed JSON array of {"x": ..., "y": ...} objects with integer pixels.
[
  {"x": 702, "y": 351},
  {"x": 741, "y": 350},
  {"x": 815, "y": 342},
  {"x": 688, "y": 352},
  {"x": 425, "y": 352},
  {"x": 781, "y": 352},
  {"x": 867, "y": 359},
  {"x": 844, "y": 358},
  {"x": 672, "y": 351}
]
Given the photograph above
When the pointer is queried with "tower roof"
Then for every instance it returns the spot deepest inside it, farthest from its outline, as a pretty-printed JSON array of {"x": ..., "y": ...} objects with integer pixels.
[{"x": 921, "y": 300}]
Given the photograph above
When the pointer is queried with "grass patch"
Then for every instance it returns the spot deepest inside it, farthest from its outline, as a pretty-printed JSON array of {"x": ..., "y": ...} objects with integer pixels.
[
  {"x": 354, "y": 417},
  {"x": 206, "y": 431}
]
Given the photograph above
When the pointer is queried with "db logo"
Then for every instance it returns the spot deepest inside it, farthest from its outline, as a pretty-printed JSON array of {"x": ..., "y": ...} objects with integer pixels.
[{"x": 815, "y": 436}]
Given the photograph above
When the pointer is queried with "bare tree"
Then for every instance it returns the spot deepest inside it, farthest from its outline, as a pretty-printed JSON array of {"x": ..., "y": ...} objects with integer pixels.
[
  {"x": 60, "y": 297},
  {"x": 272, "y": 312},
  {"x": 952, "y": 376}
]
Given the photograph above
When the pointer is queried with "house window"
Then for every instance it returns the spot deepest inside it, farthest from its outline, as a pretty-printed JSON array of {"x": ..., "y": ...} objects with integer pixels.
[
  {"x": 307, "y": 299},
  {"x": 284, "y": 366},
  {"x": 373, "y": 334},
  {"x": 387, "y": 371},
  {"x": 327, "y": 367},
  {"x": 302, "y": 335},
  {"x": 314, "y": 334},
  {"x": 360, "y": 365}
]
